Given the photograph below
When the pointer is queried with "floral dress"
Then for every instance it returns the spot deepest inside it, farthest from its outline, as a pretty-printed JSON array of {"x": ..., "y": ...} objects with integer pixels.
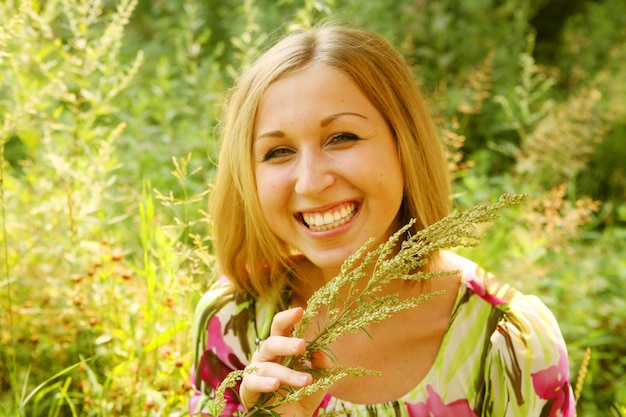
[{"x": 502, "y": 355}]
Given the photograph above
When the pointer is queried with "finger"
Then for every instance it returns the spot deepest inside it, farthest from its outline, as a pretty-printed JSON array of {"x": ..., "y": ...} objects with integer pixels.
[
  {"x": 268, "y": 377},
  {"x": 257, "y": 383},
  {"x": 267, "y": 373},
  {"x": 252, "y": 386},
  {"x": 283, "y": 322},
  {"x": 275, "y": 347}
]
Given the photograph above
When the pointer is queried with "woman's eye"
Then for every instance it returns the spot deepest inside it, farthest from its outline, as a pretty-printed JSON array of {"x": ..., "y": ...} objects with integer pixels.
[
  {"x": 276, "y": 153},
  {"x": 343, "y": 137}
]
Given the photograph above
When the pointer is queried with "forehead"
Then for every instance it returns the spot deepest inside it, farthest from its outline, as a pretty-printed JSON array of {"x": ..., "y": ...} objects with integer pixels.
[{"x": 312, "y": 92}]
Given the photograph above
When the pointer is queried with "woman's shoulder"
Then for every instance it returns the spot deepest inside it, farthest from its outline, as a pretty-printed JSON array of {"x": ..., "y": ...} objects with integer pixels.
[
  {"x": 527, "y": 332},
  {"x": 524, "y": 353},
  {"x": 222, "y": 339},
  {"x": 504, "y": 296},
  {"x": 222, "y": 301},
  {"x": 220, "y": 311},
  {"x": 477, "y": 281},
  {"x": 225, "y": 312},
  {"x": 522, "y": 310}
]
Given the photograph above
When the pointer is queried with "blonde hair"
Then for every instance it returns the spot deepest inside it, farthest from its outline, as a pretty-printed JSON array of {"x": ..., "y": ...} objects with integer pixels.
[{"x": 248, "y": 252}]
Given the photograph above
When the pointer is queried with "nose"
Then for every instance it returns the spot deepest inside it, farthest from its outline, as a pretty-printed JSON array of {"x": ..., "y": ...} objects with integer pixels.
[{"x": 314, "y": 173}]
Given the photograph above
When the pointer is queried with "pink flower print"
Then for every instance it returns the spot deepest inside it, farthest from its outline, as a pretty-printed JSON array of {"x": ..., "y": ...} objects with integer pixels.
[
  {"x": 219, "y": 348},
  {"x": 434, "y": 407},
  {"x": 553, "y": 384},
  {"x": 217, "y": 361},
  {"x": 322, "y": 405},
  {"x": 232, "y": 404},
  {"x": 478, "y": 286},
  {"x": 214, "y": 371},
  {"x": 215, "y": 340}
]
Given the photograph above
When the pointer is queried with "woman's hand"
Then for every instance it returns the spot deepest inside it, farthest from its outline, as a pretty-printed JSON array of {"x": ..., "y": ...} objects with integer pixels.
[{"x": 270, "y": 374}]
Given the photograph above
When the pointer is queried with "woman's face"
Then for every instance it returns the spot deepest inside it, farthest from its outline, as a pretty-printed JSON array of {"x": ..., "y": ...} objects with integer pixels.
[{"x": 328, "y": 174}]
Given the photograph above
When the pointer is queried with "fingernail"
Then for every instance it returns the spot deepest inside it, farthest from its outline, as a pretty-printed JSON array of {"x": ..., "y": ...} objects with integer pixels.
[
  {"x": 271, "y": 383},
  {"x": 304, "y": 378},
  {"x": 295, "y": 345}
]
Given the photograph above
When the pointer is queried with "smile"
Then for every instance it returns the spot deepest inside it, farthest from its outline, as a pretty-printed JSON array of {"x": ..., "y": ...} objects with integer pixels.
[{"x": 321, "y": 221}]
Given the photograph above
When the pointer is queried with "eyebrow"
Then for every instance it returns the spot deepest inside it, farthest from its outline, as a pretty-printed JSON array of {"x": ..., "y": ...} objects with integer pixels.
[{"x": 325, "y": 122}]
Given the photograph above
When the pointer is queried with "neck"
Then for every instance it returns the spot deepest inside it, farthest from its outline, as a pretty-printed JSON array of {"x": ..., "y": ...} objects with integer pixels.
[{"x": 308, "y": 278}]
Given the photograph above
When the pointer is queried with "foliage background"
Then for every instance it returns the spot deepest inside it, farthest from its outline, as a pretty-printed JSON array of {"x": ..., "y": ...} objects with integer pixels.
[{"x": 109, "y": 131}]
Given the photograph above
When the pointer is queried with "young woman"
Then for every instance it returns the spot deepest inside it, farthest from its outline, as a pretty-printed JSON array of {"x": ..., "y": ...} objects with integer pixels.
[{"x": 328, "y": 142}]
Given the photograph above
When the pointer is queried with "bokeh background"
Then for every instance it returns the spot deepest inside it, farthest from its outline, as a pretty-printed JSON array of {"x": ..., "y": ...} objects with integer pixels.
[{"x": 109, "y": 127}]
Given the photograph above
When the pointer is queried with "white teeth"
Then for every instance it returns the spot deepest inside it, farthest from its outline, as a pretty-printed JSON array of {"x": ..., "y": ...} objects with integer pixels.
[{"x": 329, "y": 220}]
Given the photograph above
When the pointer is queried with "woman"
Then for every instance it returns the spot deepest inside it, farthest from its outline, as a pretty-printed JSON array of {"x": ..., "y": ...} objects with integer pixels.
[{"x": 328, "y": 142}]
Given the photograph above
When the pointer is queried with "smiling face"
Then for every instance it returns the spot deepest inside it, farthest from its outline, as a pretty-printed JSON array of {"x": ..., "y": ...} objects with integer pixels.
[{"x": 328, "y": 174}]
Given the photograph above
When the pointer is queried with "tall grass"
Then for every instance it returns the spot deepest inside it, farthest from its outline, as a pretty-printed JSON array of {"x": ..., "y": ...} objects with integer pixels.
[{"x": 84, "y": 315}]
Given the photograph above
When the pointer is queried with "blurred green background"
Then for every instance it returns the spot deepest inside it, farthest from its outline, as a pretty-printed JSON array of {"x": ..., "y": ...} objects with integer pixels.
[{"x": 109, "y": 130}]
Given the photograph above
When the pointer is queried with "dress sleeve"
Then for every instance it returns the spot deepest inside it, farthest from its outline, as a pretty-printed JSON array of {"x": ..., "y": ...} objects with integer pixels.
[
  {"x": 218, "y": 332},
  {"x": 528, "y": 369}
]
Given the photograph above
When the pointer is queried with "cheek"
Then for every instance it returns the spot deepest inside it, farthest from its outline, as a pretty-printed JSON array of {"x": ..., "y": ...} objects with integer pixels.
[
  {"x": 264, "y": 192},
  {"x": 391, "y": 182},
  {"x": 271, "y": 192},
  {"x": 392, "y": 187}
]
